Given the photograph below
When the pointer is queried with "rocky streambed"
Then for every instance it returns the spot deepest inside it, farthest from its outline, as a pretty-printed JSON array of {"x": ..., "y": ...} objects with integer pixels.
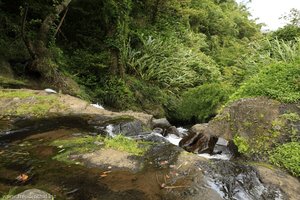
[{"x": 77, "y": 153}]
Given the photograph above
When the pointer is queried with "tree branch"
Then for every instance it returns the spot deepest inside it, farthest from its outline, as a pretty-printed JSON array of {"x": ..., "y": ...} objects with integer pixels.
[
  {"x": 47, "y": 23},
  {"x": 61, "y": 22},
  {"x": 24, "y": 37}
]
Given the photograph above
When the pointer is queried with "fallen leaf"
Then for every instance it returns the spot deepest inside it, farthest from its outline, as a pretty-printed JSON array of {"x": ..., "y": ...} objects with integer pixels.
[{"x": 22, "y": 177}]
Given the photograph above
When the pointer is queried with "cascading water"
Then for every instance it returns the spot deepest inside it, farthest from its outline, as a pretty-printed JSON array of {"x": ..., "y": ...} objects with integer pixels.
[{"x": 231, "y": 180}]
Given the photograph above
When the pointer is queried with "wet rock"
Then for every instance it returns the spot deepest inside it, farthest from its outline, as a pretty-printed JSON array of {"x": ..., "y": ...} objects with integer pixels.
[
  {"x": 198, "y": 141},
  {"x": 132, "y": 128},
  {"x": 93, "y": 133},
  {"x": 173, "y": 130},
  {"x": 161, "y": 123},
  {"x": 288, "y": 184},
  {"x": 158, "y": 130},
  {"x": 199, "y": 128},
  {"x": 33, "y": 194},
  {"x": 238, "y": 181},
  {"x": 111, "y": 158},
  {"x": 195, "y": 188},
  {"x": 155, "y": 137},
  {"x": 77, "y": 134}
]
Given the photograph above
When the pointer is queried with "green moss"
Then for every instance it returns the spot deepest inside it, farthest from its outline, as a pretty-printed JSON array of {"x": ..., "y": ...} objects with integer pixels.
[
  {"x": 293, "y": 117},
  {"x": 287, "y": 156},
  {"x": 278, "y": 81},
  {"x": 32, "y": 103},
  {"x": 247, "y": 124},
  {"x": 10, "y": 82},
  {"x": 124, "y": 144},
  {"x": 75, "y": 146},
  {"x": 22, "y": 94},
  {"x": 119, "y": 119},
  {"x": 242, "y": 144},
  {"x": 263, "y": 142}
]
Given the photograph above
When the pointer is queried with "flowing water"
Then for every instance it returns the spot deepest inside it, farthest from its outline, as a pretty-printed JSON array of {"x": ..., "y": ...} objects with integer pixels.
[{"x": 33, "y": 155}]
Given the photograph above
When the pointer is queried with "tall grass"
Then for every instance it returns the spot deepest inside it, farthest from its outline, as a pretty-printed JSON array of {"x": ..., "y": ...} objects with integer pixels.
[
  {"x": 287, "y": 51},
  {"x": 169, "y": 63}
]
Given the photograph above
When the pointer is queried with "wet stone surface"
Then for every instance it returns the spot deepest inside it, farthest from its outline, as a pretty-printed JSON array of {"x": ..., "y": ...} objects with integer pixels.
[
  {"x": 165, "y": 171},
  {"x": 238, "y": 181}
]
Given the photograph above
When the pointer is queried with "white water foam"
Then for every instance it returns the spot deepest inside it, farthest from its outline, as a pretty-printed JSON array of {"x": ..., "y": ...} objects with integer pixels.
[
  {"x": 182, "y": 130},
  {"x": 215, "y": 156},
  {"x": 96, "y": 105},
  {"x": 174, "y": 139},
  {"x": 109, "y": 130}
]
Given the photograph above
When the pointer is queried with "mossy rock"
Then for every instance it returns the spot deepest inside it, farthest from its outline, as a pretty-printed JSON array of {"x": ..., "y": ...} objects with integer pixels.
[{"x": 257, "y": 125}]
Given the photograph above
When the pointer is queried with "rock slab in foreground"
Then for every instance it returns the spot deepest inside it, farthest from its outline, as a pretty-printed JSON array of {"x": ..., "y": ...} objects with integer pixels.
[{"x": 33, "y": 194}]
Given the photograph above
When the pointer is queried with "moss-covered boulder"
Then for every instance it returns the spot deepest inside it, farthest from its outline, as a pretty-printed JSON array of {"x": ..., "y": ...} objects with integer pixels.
[
  {"x": 31, "y": 110},
  {"x": 257, "y": 125}
]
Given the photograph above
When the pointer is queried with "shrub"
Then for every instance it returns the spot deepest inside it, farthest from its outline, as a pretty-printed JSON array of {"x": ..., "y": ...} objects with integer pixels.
[
  {"x": 280, "y": 81},
  {"x": 241, "y": 143},
  {"x": 115, "y": 93},
  {"x": 287, "y": 156},
  {"x": 199, "y": 104}
]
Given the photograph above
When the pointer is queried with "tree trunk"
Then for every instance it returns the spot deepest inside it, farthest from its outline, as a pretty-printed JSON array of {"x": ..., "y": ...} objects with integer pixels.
[{"x": 38, "y": 47}]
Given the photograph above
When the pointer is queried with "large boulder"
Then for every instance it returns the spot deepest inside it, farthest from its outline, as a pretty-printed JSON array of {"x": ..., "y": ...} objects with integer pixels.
[
  {"x": 131, "y": 128},
  {"x": 26, "y": 110},
  {"x": 255, "y": 125},
  {"x": 33, "y": 194},
  {"x": 245, "y": 117},
  {"x": 160, "y": 123},
  {"x": 288, "y": 184}
]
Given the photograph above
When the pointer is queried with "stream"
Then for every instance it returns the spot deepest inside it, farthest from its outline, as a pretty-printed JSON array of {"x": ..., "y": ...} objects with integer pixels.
[{"x": 33, "y": 155}]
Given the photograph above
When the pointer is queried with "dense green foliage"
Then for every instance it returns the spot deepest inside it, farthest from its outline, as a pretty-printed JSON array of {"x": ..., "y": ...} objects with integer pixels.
[
  {"x": 161, "y": 56},
  {"x": 199, "y": 104},
  {"x": 279, "y": 81},
  {"x": 287, "y": 156},
  {"x": 120, "y": 50}
]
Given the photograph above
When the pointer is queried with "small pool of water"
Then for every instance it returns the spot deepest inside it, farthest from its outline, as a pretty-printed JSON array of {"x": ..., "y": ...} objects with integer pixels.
[{"x": 33, "y": 156}]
